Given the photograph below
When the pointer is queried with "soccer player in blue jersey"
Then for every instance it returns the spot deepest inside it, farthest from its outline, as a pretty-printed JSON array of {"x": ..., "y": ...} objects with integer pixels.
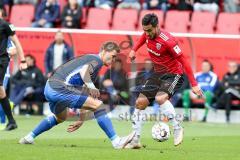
[{"x": 71, "y": 86}]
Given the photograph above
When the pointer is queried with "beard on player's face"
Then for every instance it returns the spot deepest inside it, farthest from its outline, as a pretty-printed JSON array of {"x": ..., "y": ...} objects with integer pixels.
[{"x": 151, "y": 31}]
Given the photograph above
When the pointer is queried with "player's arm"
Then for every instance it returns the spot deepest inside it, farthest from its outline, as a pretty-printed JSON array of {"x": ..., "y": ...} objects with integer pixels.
[
  {"x": 11, "y": 48},
  {"x": 23, "y": 64},
  {"x": 213, "y": 82},
  {"x": 139, "y": 43},
  {"x": 85, "y": 75},
  {"x": 10, "y": 30},
  {"x": 188, "y": 70},
  {"x": 177, "y": 53},
  {"x": 77, "y": 124}
]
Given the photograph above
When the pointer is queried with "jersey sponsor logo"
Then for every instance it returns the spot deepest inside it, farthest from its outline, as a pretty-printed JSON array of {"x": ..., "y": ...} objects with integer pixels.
[
  {"x": 158, "y": 46},
  {"x": 177, "y": 49},
  {"x": 12, "y": 27},
  {"x": 153, "y": 52}
]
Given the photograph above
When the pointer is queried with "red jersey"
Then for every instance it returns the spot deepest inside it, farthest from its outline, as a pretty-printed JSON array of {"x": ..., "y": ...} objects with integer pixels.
[{"x": 166, "y": 55}]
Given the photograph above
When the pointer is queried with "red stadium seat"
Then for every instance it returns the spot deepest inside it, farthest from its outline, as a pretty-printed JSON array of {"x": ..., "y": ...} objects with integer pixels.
[
  {"x": 62, "y": 4},
  {"x": 228, "y": 23},
  {"x": 144, "y": 12},
  {"x": 99, "y": 19},
  {"x": 235, "y": 102},
  {"x": 83, "y": 19},
  {"x": 22, "y": 15},
  {"x": 177, "y": 21},
  {"x": 125, "y": 19},
  {"x": 7, "y": 9},
  {"x": 203, "y": 22}
]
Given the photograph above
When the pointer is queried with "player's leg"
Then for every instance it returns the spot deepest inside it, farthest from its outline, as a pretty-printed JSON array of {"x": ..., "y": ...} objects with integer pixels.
[
  {"x": 186, "y": 100},
  {"x": 105, "y": 123},
  {"x": 146, "y": 96},
  {"x": 4, "y": 99},
  {"x": 141, "y": 103},
  {"x": 208, "y": 101},
  {"x": 2, "y": 114},
  {"x": 169, "y": 84},
  {"x": 168, "y": 110},
  {"x": 58, "y": 107},
  {"x": 2, "y": 119},
  {"x": 45, "y": 125},
  {"x": 137, "y": 121}
]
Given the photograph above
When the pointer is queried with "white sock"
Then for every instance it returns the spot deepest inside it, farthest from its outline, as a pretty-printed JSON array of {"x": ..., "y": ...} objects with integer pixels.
[
  {"x": 115, "y": 141},
  {"x": 29, "y": 137},
  {"x": 137, "y": 119},
  {"x": 168, "y": 110}
]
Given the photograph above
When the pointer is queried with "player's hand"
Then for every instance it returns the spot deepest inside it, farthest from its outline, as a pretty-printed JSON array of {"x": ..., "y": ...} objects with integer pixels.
[
  {"x": 73, "y": 127},
  {"x": 23, "y": 65},
  {"x": 94, "y": 93},
  {"x": 132, "y": 55},
  {"x": 68, "y": 18},
  {"x": 42, "y": 22},
  {"x": 49, "y": 74},
  {"x": 197, "y": 90}
]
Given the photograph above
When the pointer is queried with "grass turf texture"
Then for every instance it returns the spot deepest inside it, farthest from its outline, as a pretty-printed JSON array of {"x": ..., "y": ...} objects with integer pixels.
[{"x": 203, "y": 141}]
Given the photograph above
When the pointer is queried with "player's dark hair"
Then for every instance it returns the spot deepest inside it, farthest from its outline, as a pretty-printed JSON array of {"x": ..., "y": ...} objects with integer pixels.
[
  {"x": 150, "y": 18},
  {"x": 32, "y": 57},
  {"x": 211, "y": 65},
  {"x": 110, "y": 46}
]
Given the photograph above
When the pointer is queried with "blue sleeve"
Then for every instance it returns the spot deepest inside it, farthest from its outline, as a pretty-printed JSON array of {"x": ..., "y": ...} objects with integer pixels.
[
  {"x": 9, "y": 44},
  {"x": 39, "y": 11},
  {"x": 55, "y": 14},
  {"x": 47, "y": 61},
  {"x": 70, "y": 52},
  {"x": 213, "y": 82}
]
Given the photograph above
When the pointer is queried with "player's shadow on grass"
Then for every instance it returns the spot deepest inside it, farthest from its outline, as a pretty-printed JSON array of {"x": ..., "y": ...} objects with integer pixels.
[{"x": 80, "y": 146}]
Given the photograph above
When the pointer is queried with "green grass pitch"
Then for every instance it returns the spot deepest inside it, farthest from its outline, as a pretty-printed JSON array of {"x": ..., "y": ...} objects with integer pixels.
[{"x": 203, "y": 141}]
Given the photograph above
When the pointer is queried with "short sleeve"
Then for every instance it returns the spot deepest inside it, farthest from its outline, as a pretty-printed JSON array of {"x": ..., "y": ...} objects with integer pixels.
[
  {"x": 10, "y": 29},
  {"x": 174, "y": 48}
]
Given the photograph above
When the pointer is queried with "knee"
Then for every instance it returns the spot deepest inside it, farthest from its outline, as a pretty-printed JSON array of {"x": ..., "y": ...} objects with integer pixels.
[
  {"x": 60, "y": 119},
  {"x": 2, "y": 93},
  {"x": 92, "y": 104},
  {"x": 142, "y": 103},
  {"x": 197, "y": 7},
  {"x": 98, "y": 105},
  {"x": 107, "y": 83},
  {"x": 160, "y": 99}
]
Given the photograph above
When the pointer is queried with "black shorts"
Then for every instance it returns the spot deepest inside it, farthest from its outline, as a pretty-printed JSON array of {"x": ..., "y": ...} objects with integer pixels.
[
  {"x": 167, "y": 83},
  {"x": 3, "y": 68}
]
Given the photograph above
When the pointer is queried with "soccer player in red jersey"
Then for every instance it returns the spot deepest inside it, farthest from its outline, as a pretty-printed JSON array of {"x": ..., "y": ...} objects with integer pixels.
[{"x": 169, "y": 66}]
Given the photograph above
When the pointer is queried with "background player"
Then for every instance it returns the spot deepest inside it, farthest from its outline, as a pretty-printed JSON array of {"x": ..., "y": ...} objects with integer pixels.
[
  {"x": 8, "y": 31},
  {"x": 65, "y": 89},
  {"x": 169, "y": 64},
  {"x": 11, "y": 49}
]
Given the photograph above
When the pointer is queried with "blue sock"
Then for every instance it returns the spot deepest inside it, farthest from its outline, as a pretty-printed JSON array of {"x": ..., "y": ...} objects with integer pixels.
[
  {"x": 156, "y": 108},
  {"x": 46, "y": 124},
  {"x": 111, "y": 90},
  {"x": 2, "y": 116},
  {"x": 105, "y": 123}
]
